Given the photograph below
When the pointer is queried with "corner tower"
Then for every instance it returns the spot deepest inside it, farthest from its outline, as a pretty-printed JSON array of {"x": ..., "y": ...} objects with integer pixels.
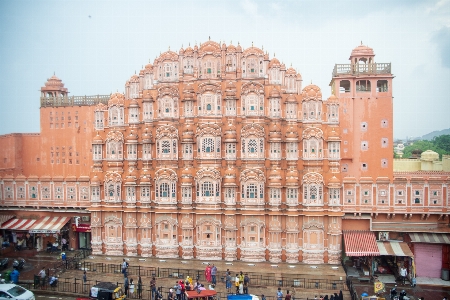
[{"x": 364, "y": 92}]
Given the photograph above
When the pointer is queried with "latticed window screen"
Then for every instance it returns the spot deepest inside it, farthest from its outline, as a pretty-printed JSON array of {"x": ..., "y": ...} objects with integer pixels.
[{"x": 165, "y": 146}]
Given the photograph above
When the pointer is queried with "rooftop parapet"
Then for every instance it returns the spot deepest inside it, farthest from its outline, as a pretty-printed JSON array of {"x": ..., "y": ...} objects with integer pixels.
[{"x": 74, "y": 100}]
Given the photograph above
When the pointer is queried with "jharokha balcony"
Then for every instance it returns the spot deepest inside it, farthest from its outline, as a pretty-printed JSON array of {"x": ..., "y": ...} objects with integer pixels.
[{"x": 56, "y": 203}]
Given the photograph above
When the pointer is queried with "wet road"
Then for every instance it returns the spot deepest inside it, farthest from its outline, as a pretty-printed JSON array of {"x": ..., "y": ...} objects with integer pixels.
[{"x": 43, "y": 297}]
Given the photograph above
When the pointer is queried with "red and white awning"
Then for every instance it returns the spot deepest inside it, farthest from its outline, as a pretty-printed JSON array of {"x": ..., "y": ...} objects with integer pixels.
[
  {"x": 18, "y": 224},
  {"x": 49, "y": 224},
  {"x": 394, "y": 249},
  {"x": 360, "y": 243},
  {"x": 431, "y": 238},
  {"x": 4, "y": 218}
]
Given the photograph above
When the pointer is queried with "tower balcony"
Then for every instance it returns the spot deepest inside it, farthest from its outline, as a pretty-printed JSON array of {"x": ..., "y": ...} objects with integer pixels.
[{"x": 356, "y": 69}]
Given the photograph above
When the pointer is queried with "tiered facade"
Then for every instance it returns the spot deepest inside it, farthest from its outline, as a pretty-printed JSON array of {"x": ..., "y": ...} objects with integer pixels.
[{"x": 220, "y": 153}]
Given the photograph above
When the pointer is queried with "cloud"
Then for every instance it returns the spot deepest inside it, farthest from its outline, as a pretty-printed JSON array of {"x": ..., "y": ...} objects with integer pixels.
[{"x": 442, "y": 40}]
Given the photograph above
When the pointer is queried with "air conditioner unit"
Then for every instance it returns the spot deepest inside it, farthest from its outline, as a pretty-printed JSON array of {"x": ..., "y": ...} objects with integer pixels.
[
  {"x": 85, "y": 218},
  {"x": 383, "y": 235}
]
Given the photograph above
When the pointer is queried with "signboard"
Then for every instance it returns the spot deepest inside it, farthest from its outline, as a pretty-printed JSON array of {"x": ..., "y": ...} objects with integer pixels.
[
  {"x": 81, "y": 227},
  {"x": 44, "y": 231}
]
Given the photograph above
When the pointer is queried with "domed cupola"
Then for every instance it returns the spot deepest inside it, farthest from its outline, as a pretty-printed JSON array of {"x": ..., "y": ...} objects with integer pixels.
[
  {"x": 188, "y": 135},
  {"x": 334, "y": 182},
  {"x": 145, "y": 177},
  {"x": 54, "y": 88},
  {"x": 274, "y": 62},
  {"x": 230, "y": 133},
  {"x": 292, "y": 177},
  {"x": 147, "y": 136},
  {"x": 362, "y": 53},
  {"x": 132, "y": 137},
  {"x": 188, "y": 93},
  {"x": 186, "y": 176},
  {"x": 274, "y": 133},
  {"x": 332, "y": 99},
  {"x": 230, "y": 90},
  {"x": 97, "y": 139},
  {"x": 274, "y": 178},
  {"x": 333, "y": 134},
  {"x": 291, "y": 134},
  {"x": 291, "y": 99},
  {"x": 275, "y": 93},
  {"x": 311, "y": 92},
  {"x": 229, "y": 180},
  {"x": 116, "y": 99}
]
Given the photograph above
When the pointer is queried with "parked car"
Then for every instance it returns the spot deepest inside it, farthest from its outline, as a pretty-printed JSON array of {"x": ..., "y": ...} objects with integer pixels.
[
  {"x": 106, "y": 291},
  {"x": 15, "y": 292}
]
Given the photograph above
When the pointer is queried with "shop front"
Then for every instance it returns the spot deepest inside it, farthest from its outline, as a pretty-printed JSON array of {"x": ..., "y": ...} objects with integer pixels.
[
  {"x": 50, "y": 230},
  {"x": 361, "y": 248},
  {"x": 82, "y": 233},
  {"x": 429, "y": 250},
  {"x": 17, "y": 230},
  {"x": 394, "y": 254}
]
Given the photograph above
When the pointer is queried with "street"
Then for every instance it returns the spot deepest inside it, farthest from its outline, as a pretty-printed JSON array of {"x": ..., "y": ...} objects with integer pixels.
[{"x": 54, "y": 297}]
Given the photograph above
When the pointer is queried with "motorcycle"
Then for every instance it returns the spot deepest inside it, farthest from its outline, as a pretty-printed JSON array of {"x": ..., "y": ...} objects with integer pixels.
[
  {"x": 19, "y": 263},
  {"x": 4, "y": 263},
  {"x": 393, "y": 294}
]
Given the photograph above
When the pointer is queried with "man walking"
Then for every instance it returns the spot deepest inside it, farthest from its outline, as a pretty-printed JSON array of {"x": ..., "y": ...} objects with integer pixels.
[
  {"x": 213, "y": 274},
  {"x": 124, "y": 268},
  {"x": 153, "y": 287},
  {"x": 403, "y": 274},
  {"x": 84, "y": 281},
  {"x": 246, "y": 282},
  {"x": 125, "y": 284},
  {"x": 42, "y": 275}
]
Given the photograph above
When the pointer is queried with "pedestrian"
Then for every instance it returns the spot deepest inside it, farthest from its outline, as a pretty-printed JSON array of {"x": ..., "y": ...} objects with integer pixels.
[
  {"x": 213, "y": 274},
  {"x": 403, "y": 274},
  {"x": 125, "y": 268},
  {"x": 236, "y": 283},
  {"x": 183, "y": 289},
  {"x": 84, "y": 281},
  {"x": 153, "y": 287},
  {"x": 42, "y": 274},
  {"x": 208, "y": 273},
  {"x": 177, "y": 288},
  {"x": 263, "y": 297},
  {"x": 228, "y": 282},
  {"x": 131, "y": 288},
  {"x": 126, "y": 285},
  {"x": 246, "y": 282},
  {"x": 279, "y": 294},
  {"x": 288, "y": 296},
  {"x": 139, "y": 289},
  {"x": 15, "y": 276},
  {"x": 171, "y": 295}
]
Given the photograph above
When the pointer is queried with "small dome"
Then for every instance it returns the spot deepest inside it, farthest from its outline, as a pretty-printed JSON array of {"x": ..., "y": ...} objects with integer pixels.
[
  {"x": 116, "y": 99},
  {"x": 291, "y": 134},
  {"x": 362, "y": 50},
  {"x": 186, "y": 176},
  {"x": 134, "y": 103},
  {"x": 97, "y": 139},
  {"x": 209, "y": 47},
  {"x": 291, "y": 99},
  {"x": 146, "y": 136},
  {"x": 275, "y": 93},
  {"x": 130, "y": 180},
  {"x": 181, "y": 51},
  {"x": 168, "y": 55},
  {"x": 230, "y": 133},
  {"x": 334, "y": 180},
  {"x": 230, "y": 90},
  {"x": 148, "y": 67},
  {"x": 274, "y": 133},
  {"x": 54, "y": 82},
  {"x": 239, "y": 48},
  {"x": 187, "y": 136},
  {"x": 332, "y": 98},
  {"x": 188, "y": 51},
  {"x": 312, "y": 92},
  {"x": 132, "y": 137},
  {"x": 188, "y": 93},
  {"x": 95, "y": 180},
  {"x": 231, "y": 48},
  {"x": 291, "y": 71},
  {"x": 429, "y": 155},
  {"x": 274, "y": 62},
  {"x": 253, "y": 51}
]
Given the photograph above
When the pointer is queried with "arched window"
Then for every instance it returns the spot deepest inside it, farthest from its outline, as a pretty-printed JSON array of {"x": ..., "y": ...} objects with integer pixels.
[
  {"x": 291, "y": 151},
  {"x": 275, "y": 196},
  {"x": 333, "y": 113},
  {"x": 167, "y": 143},
  {"x": 252, "y": 187},
  {"x": 209, "y": 105},
  {"x": 166, "y": 108},
  {"x": 312, "y": 189},
  {"x": 274, "y": 108},
  {"x": 333, "y": 150},
  {"x": 114, "y": 146},
  {"x": 133, "y": 115},
  {"x": 312, "y": 148},
  {"x": 231, "y": 63},
  {"x": 253, "y": 105},
  {"x": 188, "y": 65},
  {"x": 334, "y": 196},
  {"x": 292, "y": 196},
  {"x": 291, "y": 111},
  {"x": 113, "y": 183},
  {"x": 208, "y": 232},
  {"x": 97, "y": 152},
  {"x": 208, "y": 186},
  {"x": 312, "y": 110},
  {"x": 166, "y": 191},
  {"x": 115, "y": 114},
  {"x": 252, "y": 139},
  {"x": 209, "y": 142}
]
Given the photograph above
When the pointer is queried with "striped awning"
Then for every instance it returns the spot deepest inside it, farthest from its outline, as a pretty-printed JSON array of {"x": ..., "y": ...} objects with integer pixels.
[
  {"x": 431, "y": 238},
  {"x": 49, "y": 224},
  {"x": 360, "y": 243},
  {"x": 394, "y": 248},
  {"x": 18, "y": 224},
  {"x": 4, "y": 218}
]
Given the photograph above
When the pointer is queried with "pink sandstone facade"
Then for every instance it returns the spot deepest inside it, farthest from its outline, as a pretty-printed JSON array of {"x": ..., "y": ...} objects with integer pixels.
[{"x": 218, "y": 152}]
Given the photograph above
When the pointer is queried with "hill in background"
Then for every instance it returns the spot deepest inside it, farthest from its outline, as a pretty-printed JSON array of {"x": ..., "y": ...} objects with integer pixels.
[{"x": 431, "y": 135}]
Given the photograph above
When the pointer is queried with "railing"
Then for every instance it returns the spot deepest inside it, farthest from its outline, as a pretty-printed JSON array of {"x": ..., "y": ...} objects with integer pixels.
[
  {"x": 373, "y": 68},
  {"x": 74, "y": 100},
  {"x": 46, "y": 203}
]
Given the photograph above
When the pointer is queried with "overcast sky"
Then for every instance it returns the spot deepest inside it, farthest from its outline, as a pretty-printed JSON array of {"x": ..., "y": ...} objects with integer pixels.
[{"x": 95, "y": 46}]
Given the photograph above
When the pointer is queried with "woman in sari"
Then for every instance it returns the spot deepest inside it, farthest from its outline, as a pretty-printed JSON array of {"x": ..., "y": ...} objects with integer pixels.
[{"x": 208, "y": 273}]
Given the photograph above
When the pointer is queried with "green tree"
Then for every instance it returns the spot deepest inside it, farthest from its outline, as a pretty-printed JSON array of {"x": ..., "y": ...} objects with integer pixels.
[
  {"x": 423, "y": 146},
  {"x": 442, "y": 142}
]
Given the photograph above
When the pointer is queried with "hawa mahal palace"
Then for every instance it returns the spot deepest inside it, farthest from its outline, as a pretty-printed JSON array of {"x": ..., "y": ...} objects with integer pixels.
[{"x": 219, "y": 152}]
